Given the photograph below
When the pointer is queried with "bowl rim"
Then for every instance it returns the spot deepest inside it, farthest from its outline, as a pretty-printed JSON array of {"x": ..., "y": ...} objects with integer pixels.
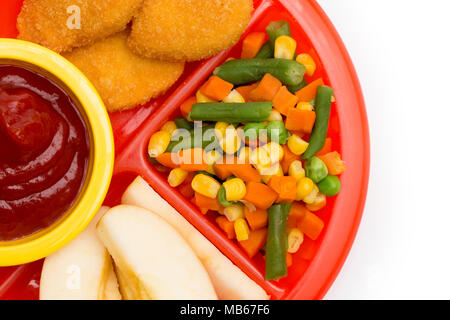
[{"x": 37, "y": 246}]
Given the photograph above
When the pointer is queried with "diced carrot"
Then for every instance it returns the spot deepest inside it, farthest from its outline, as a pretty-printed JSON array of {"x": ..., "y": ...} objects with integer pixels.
[
  {"x": 193, "y": 160},
  {"x": 285, "y": 187},
  {"x": 252, "y": 44},
  {"x": 288, "y": 158},
  {"x": 299, "y": 133},
  {"x": 245, "y": 171},
  {"x": 206, "y": 203},
  {"x": 288, "y": 259},
  {"x": 333, "y": 162},
  {"x": 284, "y": 100},
  {"x": 186, "y": 190},
  {"x": 308, "y": 93},
  {"x": 222, "y": 170},
  {"x": 245, "y": 91},
  {"x": 260, "y": 195},
  {"x": 326, "y": 148},
  {"x": 216, "y": 88},
  {"x": 186, "y": 106},
  {"x": 296, "y": 214},
  {"x": 302, "y": 120},
  {"x": 256, "y": 219},
  {"x": 255, "y": 242},
  {"x": 266, "y": 89},
  {"x": 168, "y": 159},
  {"x": 226, "y": 226},
  {"x": 311, "y": 225}
]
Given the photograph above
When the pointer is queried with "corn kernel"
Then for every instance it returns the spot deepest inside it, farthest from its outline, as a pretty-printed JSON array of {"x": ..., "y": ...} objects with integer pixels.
[
  {"x": 260, "y": 157},
  {"x": 231, "y": 142},
  {"x": 296, "y": 170},
  {"x": 269, "y": 172},
  {"x": 220, "y": 129},
  {"x": 302, "y": 105},
  {"x": 234, "y": 212},
  {"x": 319, "y": 202},
  {"x": 211, "y": 157},
  {"x": 235, "y": 189},
  {"x": 169, "y": 126},
  {"x": 306, "y": 60},
  {"x": 202, "y": 98},
  {"x": 176, "y": 177},
  {"x": 285, "y": 47},
  {"x": 234, "y": 96},
  {"x": 241, "y": 229},
  {"x": 311, "y": 197},
  {"x": 244, "y": 155},
  {"x": 295, "y": 239},
  {"x": 205, "y": 185},
  {"x": 274, "y": 116},
  {"x": 304, "y": 187},
  {"x": 297, "y": 145},
  {"x": 275, "y": 151},
  {"x": 158, "y": 143}
]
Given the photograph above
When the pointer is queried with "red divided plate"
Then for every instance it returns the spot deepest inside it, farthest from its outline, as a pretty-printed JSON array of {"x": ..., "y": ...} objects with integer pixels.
[{"x": 316, "y": 264}]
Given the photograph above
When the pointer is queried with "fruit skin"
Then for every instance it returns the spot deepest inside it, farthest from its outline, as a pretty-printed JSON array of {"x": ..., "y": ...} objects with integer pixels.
[
  {"x": 229, "y": 281},
  {"x": 153, "y": 261},
  {"x": 82, "y": 270}
]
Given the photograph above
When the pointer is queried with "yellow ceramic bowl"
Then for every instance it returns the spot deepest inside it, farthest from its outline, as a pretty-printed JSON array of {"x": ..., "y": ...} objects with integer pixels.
[{"x": 96, "y": 184}]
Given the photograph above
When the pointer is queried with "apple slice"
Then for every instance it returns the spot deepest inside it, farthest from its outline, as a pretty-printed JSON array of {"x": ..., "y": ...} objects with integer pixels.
[
  {"x": 81, "y": 270},
  {"x": 152, "y": 260},
  {"x": 111, "y": 291},
  {"x": 229, "y": 281}
]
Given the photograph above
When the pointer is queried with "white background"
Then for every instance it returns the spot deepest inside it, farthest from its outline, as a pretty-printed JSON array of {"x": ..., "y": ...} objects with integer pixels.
[{"x": 401, "y": 51}]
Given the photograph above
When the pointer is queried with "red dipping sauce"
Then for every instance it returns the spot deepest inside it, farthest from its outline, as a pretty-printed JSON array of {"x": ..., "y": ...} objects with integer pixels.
[{"x": 44, "y": 152}]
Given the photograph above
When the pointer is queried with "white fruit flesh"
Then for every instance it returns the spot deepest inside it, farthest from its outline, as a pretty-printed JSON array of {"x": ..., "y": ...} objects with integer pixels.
[
  {"x": 152, "y": 260},
  {"x": 229, "y": 281},
  {"x": 111, "y": 291},
  {"x": 80, "y": 270}
]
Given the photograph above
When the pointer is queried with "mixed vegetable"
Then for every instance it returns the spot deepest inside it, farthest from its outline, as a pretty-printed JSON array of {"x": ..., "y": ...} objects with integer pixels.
[{"x": 252, "y": 147}]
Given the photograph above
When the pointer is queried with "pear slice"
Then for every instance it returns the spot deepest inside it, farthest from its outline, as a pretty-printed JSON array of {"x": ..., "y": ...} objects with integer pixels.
[
  {"x": 230, "y": 282},
  {"x": 152, "y": 260},
  {"x": 80, "y": 270}
]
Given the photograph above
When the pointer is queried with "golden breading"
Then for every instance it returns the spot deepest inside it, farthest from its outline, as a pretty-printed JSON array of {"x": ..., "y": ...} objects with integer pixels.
[
  {"x": 123, "y": 79},
  {"x": 54, "y": 23},
  {"x": 186, "y": 30}
]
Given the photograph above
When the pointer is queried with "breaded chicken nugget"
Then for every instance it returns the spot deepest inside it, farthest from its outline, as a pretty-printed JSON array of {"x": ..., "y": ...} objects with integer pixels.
[
  {"x": 186, "y": 30},
  {"x": 123, "y": 79},
  {"x": 61, "y": 25}
]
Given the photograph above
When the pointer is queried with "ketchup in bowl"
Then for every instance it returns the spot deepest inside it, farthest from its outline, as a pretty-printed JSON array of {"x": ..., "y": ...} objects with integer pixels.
[{"x": 44, "y": 152}]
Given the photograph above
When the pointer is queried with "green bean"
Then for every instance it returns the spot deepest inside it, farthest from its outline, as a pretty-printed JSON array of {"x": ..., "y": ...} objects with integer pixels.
[
  {"x": 231, "y": 112},
  {"x": 294, "y": 89},
  {"x": 276, "y": 29},
  {"x": 202, "y": 137},
  {"x": 276, "y": 245},
  {"x": 182, "y": 123},
  {"x": 265, "y": 52},
  {"x": 244, "y": 71},
  {"x": 322, "y": 106},
  {"x": 277, "y": 132}
]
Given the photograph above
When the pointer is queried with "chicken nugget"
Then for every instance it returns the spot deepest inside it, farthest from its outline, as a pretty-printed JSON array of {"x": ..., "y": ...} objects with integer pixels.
[
  {"x": 123, "y": 79},
  {"x": 61, "y": 25},
  {"x": 187, "y": 30}
]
